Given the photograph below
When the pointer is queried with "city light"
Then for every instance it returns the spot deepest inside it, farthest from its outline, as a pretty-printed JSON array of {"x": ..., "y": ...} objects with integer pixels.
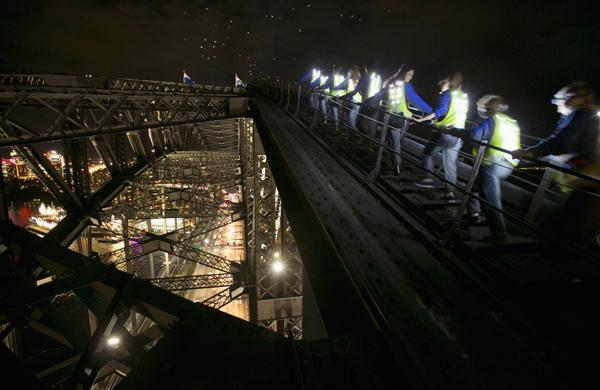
[{"x": 113, "y": 341}]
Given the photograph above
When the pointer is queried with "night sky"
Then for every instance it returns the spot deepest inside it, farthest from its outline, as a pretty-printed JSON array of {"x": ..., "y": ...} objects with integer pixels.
[{"x": 524, "y": 51}]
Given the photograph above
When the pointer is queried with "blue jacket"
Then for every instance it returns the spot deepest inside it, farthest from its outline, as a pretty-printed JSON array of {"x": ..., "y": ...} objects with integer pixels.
[
  {"x": 411, "y": 98},
  {"x": 362, "y": 84},
  {"x": 414, "y": 100},
  {"x": 479, "y": 132},
  {"x": 443, "y": 104},
  {"x": 329, "y": 84},
  {"x": 305, "y": 78},
  {"x": 315, "y": 83},
  {"x": 577, "y": 134}
]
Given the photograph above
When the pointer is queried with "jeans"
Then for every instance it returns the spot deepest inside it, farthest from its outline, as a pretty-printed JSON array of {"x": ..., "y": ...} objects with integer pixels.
[
  {"x": 335, "y": 111},
  {"x": 449, "y": 146},
  {"x": 323, "y": 105},
  {"x": 397, "y": 129},
  {"x": 488, "y": 184},
  {"x": 313, "y": 100},
  {"x": 367, "y": 124},
  {"x": 351, "y": 114}
]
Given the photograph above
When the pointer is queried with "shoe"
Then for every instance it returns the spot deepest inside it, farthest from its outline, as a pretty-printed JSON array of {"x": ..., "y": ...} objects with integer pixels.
[
  {"x": 425, "y": 183},
  {"x": 475, "y": 218},
  {"x": 397, "y": 171},
  {"x": 494, "y": 239},
  {"x": 448, "y": 197}
]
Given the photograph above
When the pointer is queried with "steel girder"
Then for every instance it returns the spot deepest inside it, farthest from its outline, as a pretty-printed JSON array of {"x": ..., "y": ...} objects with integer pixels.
[
  {"x": 106, "y": 108},
  {"x": 123, "y": 84},
  {"x": 217, "y": 135},
  {"x": 193, "y": 282},
  {"x": 263, "y": 359},
  {"x": 86, "y": 359},
  {"x": 177, "y": 248},
  {"x": 186, "y": 234},
  {"x": 269, "y": 241}
]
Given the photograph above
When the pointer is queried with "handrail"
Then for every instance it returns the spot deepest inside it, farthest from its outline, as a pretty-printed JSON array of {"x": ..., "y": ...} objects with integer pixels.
[
  {"x": 537, "y": 197},
  {"x": 546, "y": 164}
]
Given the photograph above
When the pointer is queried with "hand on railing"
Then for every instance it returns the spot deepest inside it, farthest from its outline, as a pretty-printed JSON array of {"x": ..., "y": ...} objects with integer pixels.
[{"x": 520, "y": 153}]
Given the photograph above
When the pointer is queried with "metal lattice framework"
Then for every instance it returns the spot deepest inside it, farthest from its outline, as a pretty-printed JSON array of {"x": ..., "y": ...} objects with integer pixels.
[
  {"x": 95, "y": 107},
  {"x": 124, "y": 84},
  {"x": 194, "y": 163},
  {"x": 185, "y": 252},
  {"x": 193, "y": 282},
  {"x": 269, "y": 241}
]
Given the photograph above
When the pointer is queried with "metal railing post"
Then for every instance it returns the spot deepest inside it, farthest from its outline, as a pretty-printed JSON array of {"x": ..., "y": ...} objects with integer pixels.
[
  {"x": 539, "y": 196},
  {"x": 375, "y": 172},
  {"x": 281, "y": 86},
  {"x": 449, "y": 234},
  {"x": 314, "y": 122},
  {"x": 298, "y": 103},
  {"x": 338, "y": 141},
  {"x": 287, "y": 104}
]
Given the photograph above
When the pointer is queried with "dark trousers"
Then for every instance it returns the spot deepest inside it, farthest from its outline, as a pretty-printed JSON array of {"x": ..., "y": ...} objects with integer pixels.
[
  {"x": 397, "y": 128},
  {"x": 488, "y": 183},
  {"x": 367, "y": 122}
]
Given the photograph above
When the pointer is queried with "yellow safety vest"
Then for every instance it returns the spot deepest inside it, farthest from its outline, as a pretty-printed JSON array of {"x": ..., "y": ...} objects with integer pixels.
[
  {"x": 397, "y": 101},
  {"x": 351, "y": 86},
  {"x": 457, "y": 113},
  {"x": 507, "y": 135},
  {"x": 374, "y": 85},
  {"x": 337, "y": 80},
  {"x": 315, "y": 75},
  {"x": 323, "y": 81}
]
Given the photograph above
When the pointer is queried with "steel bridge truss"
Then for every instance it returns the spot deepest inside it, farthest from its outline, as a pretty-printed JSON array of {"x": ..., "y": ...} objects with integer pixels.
[
  {"x": 91, "y": 108},
  {"x": 275, "y": 264},
  {"x": 194, "y": 162}
]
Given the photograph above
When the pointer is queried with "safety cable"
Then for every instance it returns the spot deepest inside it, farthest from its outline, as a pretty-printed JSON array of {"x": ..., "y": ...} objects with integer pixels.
[
  {"x": 530, "y": 159},
  {"x": 461, "y": 153},
  {"x": 471, "y": 194}
]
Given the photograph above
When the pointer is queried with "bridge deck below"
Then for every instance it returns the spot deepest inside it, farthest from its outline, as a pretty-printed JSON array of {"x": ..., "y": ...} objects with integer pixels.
[{"x": 453, "y": 336}]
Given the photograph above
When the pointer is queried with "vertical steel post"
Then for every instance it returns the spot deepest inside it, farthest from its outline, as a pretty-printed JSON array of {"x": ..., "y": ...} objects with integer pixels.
[
  {"x": 375, "y": 172},
  {"x": 539, "y": 196},
  {"x": 3, "y": 208},
  {"x": 281, "y": 86},
  {"x": 125, "y": 227},
  {"x": 287, "y": 104},
  {"x": 298, "y": 102},
  {"x": 449, "y": 234},
  {"x": 314, "y": 122},
  {"x": 151, "y": 259},
  {"x": 335, "y": 146}
]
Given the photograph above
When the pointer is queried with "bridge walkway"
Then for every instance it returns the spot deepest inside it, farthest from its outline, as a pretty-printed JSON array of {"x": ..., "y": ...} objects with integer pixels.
[{"x": 446, "y": 315}]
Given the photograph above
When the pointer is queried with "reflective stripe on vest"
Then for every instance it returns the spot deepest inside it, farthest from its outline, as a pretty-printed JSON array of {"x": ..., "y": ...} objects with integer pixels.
[
  {"x": 507, "y": 135},
  {"x": 337, "y": 80},
  {"x": 374, "y": 85},
  {"x": 397, "y": 102},
  {"x": 323, "y": 81},
  {"x": 457, "y": 113},
  {"x": 351, "y": 86},
  {"x": 315, "y": 75}
]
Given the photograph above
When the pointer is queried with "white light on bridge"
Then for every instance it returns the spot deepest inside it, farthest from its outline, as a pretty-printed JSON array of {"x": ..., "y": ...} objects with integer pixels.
[{"x": 277, "y": 267}]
